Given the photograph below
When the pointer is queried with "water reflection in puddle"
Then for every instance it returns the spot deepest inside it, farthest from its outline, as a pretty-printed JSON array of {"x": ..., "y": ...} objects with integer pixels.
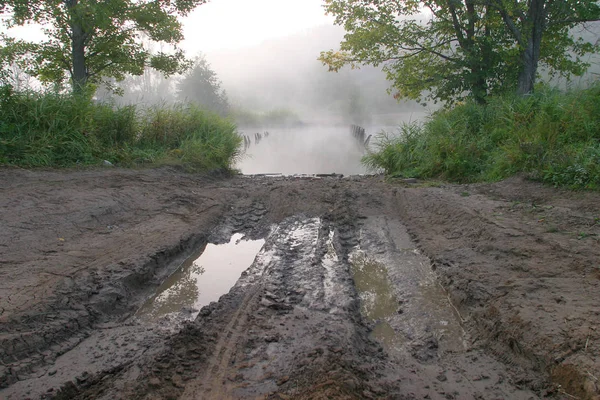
[
  {"x": 378, "y": 301},
  {"x": 400, "y": 294},
  {"x": 202, "y": 280}
]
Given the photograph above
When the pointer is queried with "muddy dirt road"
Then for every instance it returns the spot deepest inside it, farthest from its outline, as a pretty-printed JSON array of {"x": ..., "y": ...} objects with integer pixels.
[{"x": 114, "y": 284}]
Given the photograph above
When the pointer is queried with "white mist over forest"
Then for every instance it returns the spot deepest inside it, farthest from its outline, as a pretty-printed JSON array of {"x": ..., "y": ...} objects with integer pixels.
[
  {"x": 307, "y": 109},
  {"x": 284, "y": 73},
  {"x": 279, "y": 88},
  {"x": 283, "y": 76}
]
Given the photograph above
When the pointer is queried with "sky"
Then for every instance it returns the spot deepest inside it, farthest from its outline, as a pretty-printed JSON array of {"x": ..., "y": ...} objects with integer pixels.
[{"x": 233, "y": 24}]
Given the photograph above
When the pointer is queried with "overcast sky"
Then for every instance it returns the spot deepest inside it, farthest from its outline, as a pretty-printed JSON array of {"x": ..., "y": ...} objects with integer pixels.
[
  {"x": 234, "y": 24},
  {"x": 231, "y": 24}
]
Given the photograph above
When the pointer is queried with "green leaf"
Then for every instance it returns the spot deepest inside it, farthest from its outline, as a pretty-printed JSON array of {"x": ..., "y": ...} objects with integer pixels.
[{"x": 109, "y": 34}]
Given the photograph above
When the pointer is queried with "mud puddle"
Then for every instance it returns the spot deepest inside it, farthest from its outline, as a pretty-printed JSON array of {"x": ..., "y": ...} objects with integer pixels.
[
  {"x": 413, "y": 319},
  {"x": 203, "y": 278},
  {"x": 378, "y": 301},
  {"x": 301, "y": 310},
  {"x": 400, "y": 294},
  {"x": 331, "y": 302}
]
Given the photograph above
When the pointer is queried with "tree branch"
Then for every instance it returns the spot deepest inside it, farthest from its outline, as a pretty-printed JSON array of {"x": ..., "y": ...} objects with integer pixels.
[
  {"x": 100, "y": 69},
  {"x": 457, "y": 28},
  {"x": 509, "y": 22}
]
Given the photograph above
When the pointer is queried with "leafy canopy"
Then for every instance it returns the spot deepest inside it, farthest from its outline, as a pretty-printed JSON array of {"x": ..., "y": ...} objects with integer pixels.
[
  {"x": 451, "y": 49},
  {"x": 107, "y": 34}
]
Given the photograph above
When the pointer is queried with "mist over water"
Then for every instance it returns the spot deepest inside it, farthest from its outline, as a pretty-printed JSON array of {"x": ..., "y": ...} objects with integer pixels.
[
  {"x": 307, "y": 150},
  {"x": 318, "y": 149},
  {"x": 280, "y": 87},
  {"x": 285, "y": 75}
]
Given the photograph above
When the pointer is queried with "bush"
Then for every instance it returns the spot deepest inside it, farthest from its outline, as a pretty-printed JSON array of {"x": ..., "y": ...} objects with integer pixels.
[
  {"x": 45, "y": 129},
  {"x": 552, "y": 136},
  {"x": 115, "y": 126},
  {"x": 49, "y": 129}
]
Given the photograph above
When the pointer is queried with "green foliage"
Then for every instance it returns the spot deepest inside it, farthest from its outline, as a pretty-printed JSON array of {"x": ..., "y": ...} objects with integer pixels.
[
  {"x": 49, "y": 129},
  {"x": 206, "y": 151},
  {"x": 115, "y": 125},
  {"x": 201, "y": 85},
  {"x": 45, "y": 130},
  {"x": 551, "y": 136},
  {"x": 197, "y": 138},
  {"x": 107, "y": 37},
  {"x": 460, "y": 48}
]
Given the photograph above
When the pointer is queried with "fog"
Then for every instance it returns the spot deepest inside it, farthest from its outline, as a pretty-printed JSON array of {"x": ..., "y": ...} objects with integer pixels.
[
  {"x": 306, "y": 150},
  {"x": 284, "y": 74},
  {"x": 279, "y": 87}
]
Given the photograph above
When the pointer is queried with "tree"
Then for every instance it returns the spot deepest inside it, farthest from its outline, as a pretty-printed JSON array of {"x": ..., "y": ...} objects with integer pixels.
[
  {"x": 448, "y": 49},
  {"x": 150, "y": 89},
  {"x": 91, "y": 40},
  {"x": 542, "y": 32},
  {"x": 201, "y": 85}
]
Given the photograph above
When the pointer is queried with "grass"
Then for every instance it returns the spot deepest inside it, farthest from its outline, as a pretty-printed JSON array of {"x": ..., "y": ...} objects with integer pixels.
[
  {"x": 57, "y": 130},
  {"x": 552, "y": 136}
]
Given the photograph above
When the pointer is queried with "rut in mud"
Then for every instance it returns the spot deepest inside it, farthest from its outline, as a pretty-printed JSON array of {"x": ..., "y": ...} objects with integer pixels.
[{"x": 337, "y": 296}]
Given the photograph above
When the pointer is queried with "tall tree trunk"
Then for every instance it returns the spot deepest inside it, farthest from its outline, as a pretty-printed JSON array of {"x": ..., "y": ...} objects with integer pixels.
[
  {"x": 477, "y": 81},
  {"x": 529, "y": 63},
  {"x": 79, "y": 75},
  {"x": 530, "y": 56},
  {"x": 465, "y": 34}
]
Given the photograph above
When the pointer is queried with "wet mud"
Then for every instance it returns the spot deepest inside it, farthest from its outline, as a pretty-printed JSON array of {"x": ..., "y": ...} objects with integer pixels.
[
  {"x": 160, "y": 285},
  {"x": 204, "y": 277}
]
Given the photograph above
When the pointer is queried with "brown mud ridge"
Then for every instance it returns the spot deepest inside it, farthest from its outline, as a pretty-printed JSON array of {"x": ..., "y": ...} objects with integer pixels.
[{"x": 362, "y": 289}]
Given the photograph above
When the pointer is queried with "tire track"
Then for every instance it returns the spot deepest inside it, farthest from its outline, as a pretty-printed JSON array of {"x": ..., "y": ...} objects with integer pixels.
[
  {"x": 212, "y": 384},
  {"x": 296, "y": 240}
]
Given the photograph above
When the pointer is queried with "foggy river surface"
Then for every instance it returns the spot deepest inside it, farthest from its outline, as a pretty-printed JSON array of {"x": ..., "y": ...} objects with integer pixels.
[{"x": 305, "y": 150}]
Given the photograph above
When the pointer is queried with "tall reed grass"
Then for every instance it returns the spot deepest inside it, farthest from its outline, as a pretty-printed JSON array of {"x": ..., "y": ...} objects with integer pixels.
[
  {"x": 552, "y": 136},
  {"x": 49, "y": 129}
]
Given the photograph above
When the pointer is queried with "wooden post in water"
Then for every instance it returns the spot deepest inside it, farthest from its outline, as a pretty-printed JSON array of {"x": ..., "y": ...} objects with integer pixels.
[{"x": 359, "y": 133}]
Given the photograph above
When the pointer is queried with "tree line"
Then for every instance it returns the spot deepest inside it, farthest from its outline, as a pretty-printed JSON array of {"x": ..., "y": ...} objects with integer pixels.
[
  {"x": 442, "y": 50},
  {"x": 451, "y": 49}
]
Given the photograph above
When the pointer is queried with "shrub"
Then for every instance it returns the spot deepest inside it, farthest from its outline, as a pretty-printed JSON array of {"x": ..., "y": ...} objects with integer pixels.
[
  {"x": 50, "y": 129},
  {"x": 115, "y": 126},
  {"x": 45, "y": 129},
  {"x": 552, "y": 136}
]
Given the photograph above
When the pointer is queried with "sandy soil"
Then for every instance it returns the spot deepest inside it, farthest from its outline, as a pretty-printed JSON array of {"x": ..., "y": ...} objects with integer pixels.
[{"x": 493, "y": 289}]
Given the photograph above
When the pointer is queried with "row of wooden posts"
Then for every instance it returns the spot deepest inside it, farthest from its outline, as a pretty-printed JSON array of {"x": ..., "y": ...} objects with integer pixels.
[
  {"x": 358, "y": 132},
  {"x": 257, "y": 139}
]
